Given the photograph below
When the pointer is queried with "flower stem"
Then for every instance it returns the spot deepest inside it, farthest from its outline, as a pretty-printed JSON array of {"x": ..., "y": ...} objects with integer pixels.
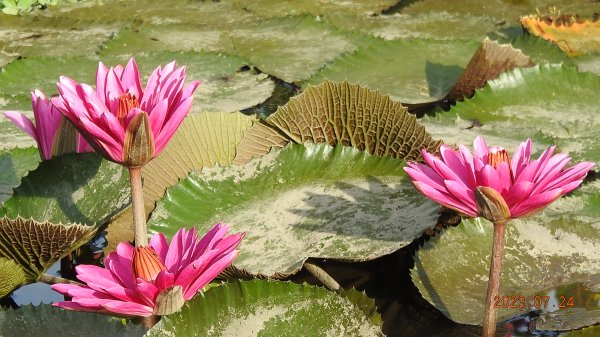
[
  {"x": 150, "y": 321},
  {"x": 321, "y": 275},
  {"x": 489, "y": 320},
  {"x": 51, "y": 279},
  {"x": 137, "y": 205}
]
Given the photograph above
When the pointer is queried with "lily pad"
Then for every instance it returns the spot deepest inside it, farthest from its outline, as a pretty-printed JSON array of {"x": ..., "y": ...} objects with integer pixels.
[
  {"x": 587, "y": 332},
  {"x": 292, "y": 49},
  {"x": 553, "y": 104},
  {"x": 35, "y": 246},
  {"x": 408, "y": 70},
  {"x": 202, "y": 140},
  {"x": 73, "y": 188},
  {"x": 46, "y": 320},
  {"x": 559, "y": 246},
  {"x": 13, "y": 137},
  {"x": 12, "y": 276},
  {"x": 282, "y": 8},
  {"x": 14, "y": 165},
  {"x": 223, "y": 88},
  {"x": 539, "y": 50},
  {"x": 267, "y": 308},
  {"x": 310, "y": 200},
  {"x": 588, "y": 63}
]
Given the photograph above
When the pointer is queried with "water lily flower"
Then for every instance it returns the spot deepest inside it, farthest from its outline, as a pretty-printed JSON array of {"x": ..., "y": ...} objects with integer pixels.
[
  {"x": 152, "y": 280},
  {"x": 517, "y": 187},
  {"x": 51, "y": 132},
  {"x": 491, "y": 185},
  {"x": 123, "y": 122}
]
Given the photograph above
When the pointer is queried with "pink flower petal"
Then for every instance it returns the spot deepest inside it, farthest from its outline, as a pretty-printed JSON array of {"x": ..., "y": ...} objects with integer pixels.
[
  {"x": 128, "y": 308},
  {"x": 535, "y": 203},
  {"x": 160, "y": 245},
  {"x": 481, "y": 149},
  {"x": 445, "y": 199},
  {"x": 131, "y": 79},
  {"x": 21, "y": 121},
  {"x": 209, "y": 274}
]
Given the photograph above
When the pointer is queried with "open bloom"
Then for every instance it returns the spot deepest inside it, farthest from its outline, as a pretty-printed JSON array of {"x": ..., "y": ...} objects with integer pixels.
[
  {"x": 517, "y": 187},
  {"x": 154, "y": 279},
  {"x": 50, "y": 131},
  {"x": 121, "y": 121}
]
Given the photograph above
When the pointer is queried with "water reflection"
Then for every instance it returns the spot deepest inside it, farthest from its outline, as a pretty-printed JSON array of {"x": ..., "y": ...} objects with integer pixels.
[{"x": 38, "y": 293}]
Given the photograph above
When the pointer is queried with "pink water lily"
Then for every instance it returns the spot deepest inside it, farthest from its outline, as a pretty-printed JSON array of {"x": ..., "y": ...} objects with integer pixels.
[
  {"x": 154, "y": 279},
  {"x": 525, "y": 185},
  {"x": 122, "y": 121},
  {"x": 47, "y": 126}
]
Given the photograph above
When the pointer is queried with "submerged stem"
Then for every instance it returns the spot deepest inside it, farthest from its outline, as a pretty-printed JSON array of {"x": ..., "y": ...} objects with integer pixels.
[
  {"x": 137, "y": 206},
  {"x": 489, "y": 320},
  {"x": 321, "y": 275}
]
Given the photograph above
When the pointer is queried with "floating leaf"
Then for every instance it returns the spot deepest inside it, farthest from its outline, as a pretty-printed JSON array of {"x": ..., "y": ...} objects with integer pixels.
[
  {"x": 73, "y": 188},
  {"x": 540, "y": 50},
  {"x": 587, "y": 332},
  {"x": 573, "y": 36},
  {"x": 258, "y": 140},
  {"x": 223, "y": 88},
  {"x": 15, "y": 164},
  {"x": 36, "y": 246},
  {"x": 490, "y": 60},
  {"x": 12, "y": 276},
  {"x": 267, "y": 308},
  {"x": 589, "y": 63},
  {"x": 552, "y": 104},
  {"x": 557, "y": 247},
  {"x": 291, "y": 49},
  {"x": 203, "y": 140},
  {"x": 310, "y": 200},
  {"x": 408, "y": 70},
  {"x": 46, "y": 320},
  {"x": 282, "y": 8},
  {"x": 341, "y": 113}
]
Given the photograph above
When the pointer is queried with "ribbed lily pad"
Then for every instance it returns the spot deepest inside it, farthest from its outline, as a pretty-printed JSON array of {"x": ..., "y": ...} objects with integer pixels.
[
  {"x": 46, "y": 320},
  {"x": 409, "y": 70},
  {"x": 223, "y": 87},
  {"x": 540, "y": 50},
  {"x": 589, "y": 63},
  {"x": 587, "y": 332},
  {"x": 429, "y": 25},
  {"x": 557, "y": 247},
  {"x": 282, "y": 8},
  {"x": 310, "y": 200},
  {"x": 73, "y": 188},
  {"x": 14, "y": 165},
  {"x": 12, "y": 276},
  {"x": 553, "y": 104},
  {"x": 36, "y": 246},
  {"x": 203, "y": 140},
  {"x": 277, "y": 309},
  {"x": 575, "y": 38},
  {"x": 292, "y": 49}
]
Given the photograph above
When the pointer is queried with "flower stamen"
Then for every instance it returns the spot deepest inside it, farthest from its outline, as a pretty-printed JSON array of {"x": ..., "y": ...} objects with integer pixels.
[
  {"x": 126, "y": 103},
  {"x": 497, "y": 156},
  {"x": 146, "y": 263}
]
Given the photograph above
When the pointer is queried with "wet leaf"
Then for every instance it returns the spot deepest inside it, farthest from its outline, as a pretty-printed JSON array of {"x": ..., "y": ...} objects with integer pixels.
[
  {"x": 46, "y": 320},
  {"x": 282, "y": 8},
  {"x": 12, "y": 276},
  {"x": 268, "y": 308},
  {"x": 36, "y": 246},
  {"x": 408, "y": 70},
  {"x": 73, "y": 188},
  {"x": 310, "y": 200},
  {"x": 14, "y": 165}
]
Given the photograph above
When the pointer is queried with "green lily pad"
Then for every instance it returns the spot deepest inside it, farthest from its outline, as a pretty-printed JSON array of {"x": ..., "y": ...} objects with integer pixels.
[
  {"x": 223, "y": 87},
  {"x": 429, "y": 25},
  {"x": 553, "y": 104},
  {"x": 282, "y": 8},
  {"x": 73, "y": 188},
  {"x": 46, "y": 320},
  {"x": 408, "y": 70},
  {"x": 310, "y": 200},
  {"x": 14, "y": 165},
  {"x": 203, "y": 140},
  {"x": 559, "y": 246},
  {"x": 267, "y": 308},
  {"x": 12, "y": 276},
  {"x": 587, "y": 332},
  {"x": 12, "y": 136},
  {"x": 588, "y": 63},
  {"x": 292, "y": 49},
  {"x": 35, "y": 246},
  {"x": 540, "y": 50}
]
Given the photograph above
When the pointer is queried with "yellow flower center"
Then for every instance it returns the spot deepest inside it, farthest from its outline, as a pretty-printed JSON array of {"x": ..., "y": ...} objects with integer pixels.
[
  {"x": 126, "y": 103},
  {"x": 498, "y": 156},
  {"x": 146, "y": 263}
]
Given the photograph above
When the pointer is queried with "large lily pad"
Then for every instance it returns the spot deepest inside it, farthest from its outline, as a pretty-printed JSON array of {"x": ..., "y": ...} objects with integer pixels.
[
  {"x": 46, "y": 320},
  {"x": 553, "y": 104},
  {"x": 587, "y": 332},
  {"x": 12, "y": 276},
  {"x": 282, "y": 8},
  {"x": 572, "y": 36},
  {"x": 310, "y": 200},
  {"x": 267, "y": 308},
  {"x": 540, "y": 50},
  {"x": 223, "y": 88},
  {"x": 14, "y": 165},
  {"x": 73, "y": 188},
  {"x": 408, "y": 70},
  {"x": 559, "y": 246},
  {"x": 34, "y": 247},
  {"x": 292, "y": 49}
]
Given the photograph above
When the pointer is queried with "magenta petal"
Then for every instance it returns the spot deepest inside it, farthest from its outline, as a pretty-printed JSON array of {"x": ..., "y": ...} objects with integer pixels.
[
  {"x": 130, "y": 79},
  {"x": 424, "y": 174},
  {"x": 517, "y": 193},
  {"x": 160, "y": 245},
  {"x": 164, "y": 280},
  {"x": 536, "y": 202},
  {"x": 22, "y": 122},
  {"x": 462, "y": 193},
  {"x": 521, "y": 157},
  {"x": 444, "y": 198},
  {"x": 575, "y": 172},
  {"x": 481, "y": 149},
  {"x": 78, "y": 307},
  {"x": 172, "y": 124},
  {"x": 128, "y": 308},
  {"x": 209, "y": 274}
]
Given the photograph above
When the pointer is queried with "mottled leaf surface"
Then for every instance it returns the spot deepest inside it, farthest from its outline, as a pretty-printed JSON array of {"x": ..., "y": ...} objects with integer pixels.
[
  {"x": 282, "y": 8},
  {"x": 575, "y": 38},
  {"x": 12, "y": 276},
  {"x": 277, "y": 309},
  {"x": 14, "y": 165}
]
